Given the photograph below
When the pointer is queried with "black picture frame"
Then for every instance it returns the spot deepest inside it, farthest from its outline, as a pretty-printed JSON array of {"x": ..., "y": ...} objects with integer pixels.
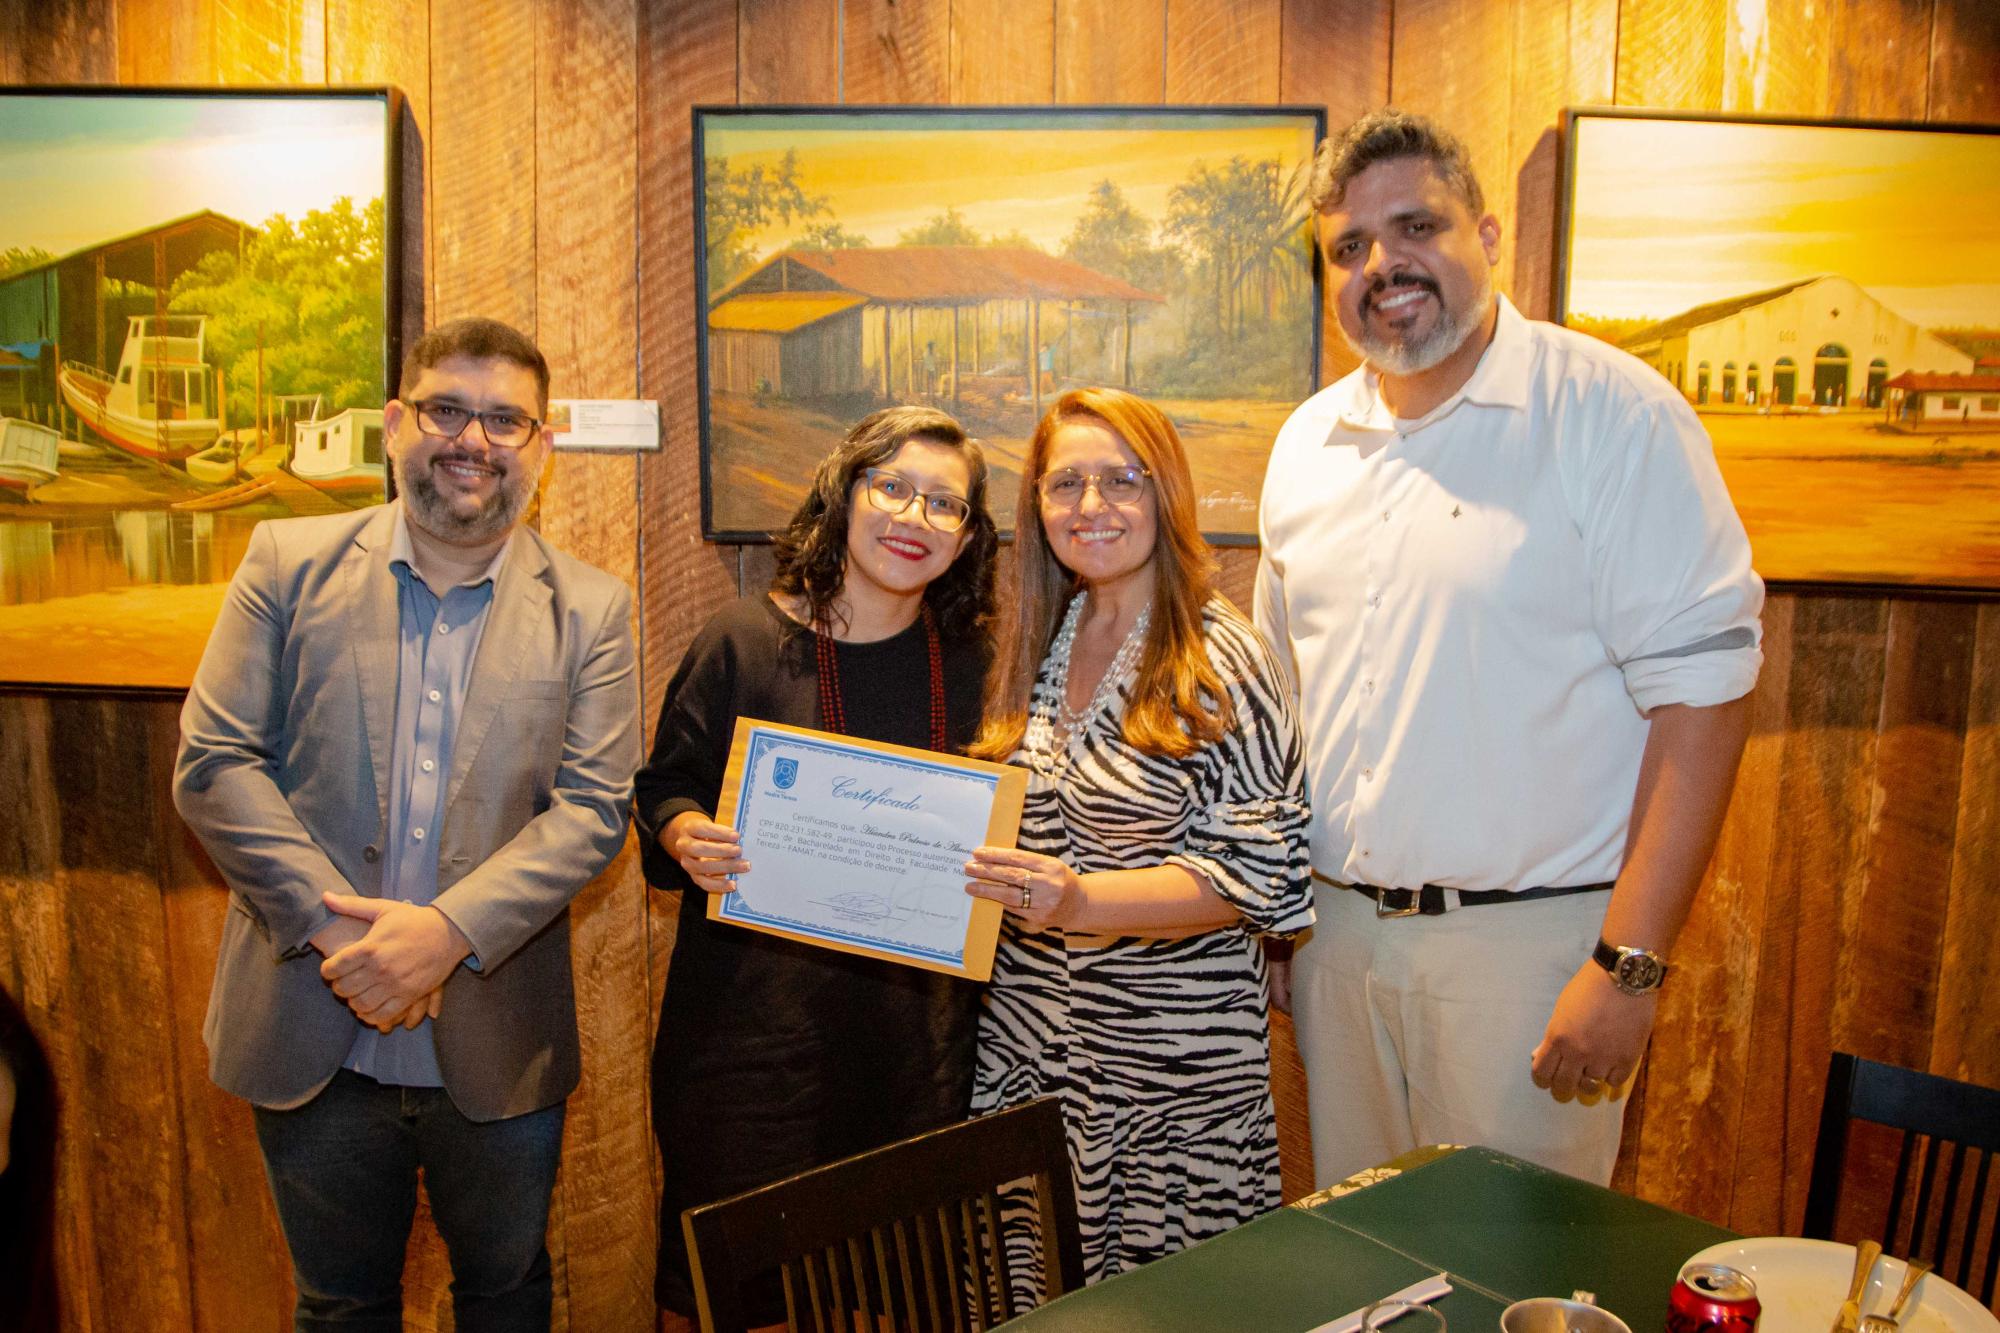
[
  {"x": 1822, "y": 388},
  {"x": 836, "y": 354},
  {"x": 75, "y": 313}
]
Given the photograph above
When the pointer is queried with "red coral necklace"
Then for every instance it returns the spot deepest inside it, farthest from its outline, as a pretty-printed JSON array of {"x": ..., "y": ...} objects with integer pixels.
[{"x": 833, "y": 713}]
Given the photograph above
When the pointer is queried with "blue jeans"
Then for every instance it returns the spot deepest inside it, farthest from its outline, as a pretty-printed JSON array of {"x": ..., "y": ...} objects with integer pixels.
[{"x": 343, "y": 1172}]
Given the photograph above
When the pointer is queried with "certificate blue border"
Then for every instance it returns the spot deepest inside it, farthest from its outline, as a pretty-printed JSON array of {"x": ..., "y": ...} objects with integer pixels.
[{"x": 762, "y": 741}]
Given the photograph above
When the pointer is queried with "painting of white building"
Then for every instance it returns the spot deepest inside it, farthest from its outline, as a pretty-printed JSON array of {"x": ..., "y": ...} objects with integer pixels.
[{"x": 1822, "y": 342}]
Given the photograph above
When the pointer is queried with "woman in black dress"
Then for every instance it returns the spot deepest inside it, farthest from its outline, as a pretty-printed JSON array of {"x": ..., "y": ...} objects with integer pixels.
[{"x": 774, "y": 1056}]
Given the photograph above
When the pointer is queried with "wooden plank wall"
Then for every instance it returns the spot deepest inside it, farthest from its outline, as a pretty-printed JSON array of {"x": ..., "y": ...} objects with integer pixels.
[{"x": 547, "y": 182}]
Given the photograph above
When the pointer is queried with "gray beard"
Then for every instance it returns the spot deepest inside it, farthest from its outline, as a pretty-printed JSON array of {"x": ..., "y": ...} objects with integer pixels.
[
  {"x": 1416, "y": 355},
  {"x": 435, "y": 515}
]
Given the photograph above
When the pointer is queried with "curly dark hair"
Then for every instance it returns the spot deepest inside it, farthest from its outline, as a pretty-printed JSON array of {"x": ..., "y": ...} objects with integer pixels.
[
  {"x": 812, "y": 548},
  {"x": 1383, "y": 135}
]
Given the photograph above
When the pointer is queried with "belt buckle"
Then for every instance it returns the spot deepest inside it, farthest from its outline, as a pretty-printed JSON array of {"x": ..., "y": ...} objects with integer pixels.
[{"x": 1384, "y": 912}]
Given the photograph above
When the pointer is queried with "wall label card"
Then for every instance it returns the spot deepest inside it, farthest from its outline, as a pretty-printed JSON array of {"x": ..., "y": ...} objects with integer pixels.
[
  {"x": 861, "y": 846},
  {"x": 604, "y": 423}
]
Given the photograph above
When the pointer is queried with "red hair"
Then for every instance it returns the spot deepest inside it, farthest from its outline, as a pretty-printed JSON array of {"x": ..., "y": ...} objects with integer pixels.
[{"x": 1178, "y": 704}]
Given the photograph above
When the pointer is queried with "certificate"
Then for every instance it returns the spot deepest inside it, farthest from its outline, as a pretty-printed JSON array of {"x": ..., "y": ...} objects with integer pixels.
[{"x": 861, "y": 846}]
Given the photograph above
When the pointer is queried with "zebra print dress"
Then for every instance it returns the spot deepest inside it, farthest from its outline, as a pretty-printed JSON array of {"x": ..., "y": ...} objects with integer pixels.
[{"x": 1158, "y": 1048}]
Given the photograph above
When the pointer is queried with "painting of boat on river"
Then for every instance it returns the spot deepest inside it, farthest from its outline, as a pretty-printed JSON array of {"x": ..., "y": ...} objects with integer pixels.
[{"x": 179, "y": 361}]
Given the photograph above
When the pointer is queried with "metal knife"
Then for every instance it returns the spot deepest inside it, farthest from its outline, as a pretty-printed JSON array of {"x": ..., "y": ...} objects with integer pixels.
[{"x": 1865, "y": 1255}]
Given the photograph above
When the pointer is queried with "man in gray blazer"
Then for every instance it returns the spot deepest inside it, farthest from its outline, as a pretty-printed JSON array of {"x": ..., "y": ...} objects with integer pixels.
[{"x": 410, "y": 742}]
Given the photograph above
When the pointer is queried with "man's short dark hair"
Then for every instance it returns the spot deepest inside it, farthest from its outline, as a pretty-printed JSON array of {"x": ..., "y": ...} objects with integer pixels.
[
  {"x": 481, "y": 340},
  {"x": 1384, "y": 136}
]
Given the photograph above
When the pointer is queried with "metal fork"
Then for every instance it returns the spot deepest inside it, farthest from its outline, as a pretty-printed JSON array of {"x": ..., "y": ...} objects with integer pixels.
[{"x": 1913, "y": 1273}]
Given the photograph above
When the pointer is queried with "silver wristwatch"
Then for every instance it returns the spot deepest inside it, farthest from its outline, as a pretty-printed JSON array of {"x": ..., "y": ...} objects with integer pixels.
[{"x": 1633, "y": 971}]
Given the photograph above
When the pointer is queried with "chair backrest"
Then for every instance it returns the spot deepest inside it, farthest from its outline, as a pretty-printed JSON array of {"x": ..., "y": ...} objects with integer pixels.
[
  {"x": 911, "y": 1231},
  {"x": 1945, "y": 1187}
]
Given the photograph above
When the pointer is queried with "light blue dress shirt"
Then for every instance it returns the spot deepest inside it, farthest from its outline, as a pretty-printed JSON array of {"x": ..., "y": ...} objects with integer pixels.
[{"x": 438, "y": 640}]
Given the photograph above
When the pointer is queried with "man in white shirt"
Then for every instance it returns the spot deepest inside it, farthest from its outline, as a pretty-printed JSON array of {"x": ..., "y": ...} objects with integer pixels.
[{"x": 1501, "y": 567}]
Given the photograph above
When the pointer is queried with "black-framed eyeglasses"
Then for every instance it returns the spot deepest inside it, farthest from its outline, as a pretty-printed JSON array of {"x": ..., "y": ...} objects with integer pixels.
[
  {"x": 1065, "y": 487},
  {"x": 893, "y": 494},
  {"x": 503, "y": 429}
]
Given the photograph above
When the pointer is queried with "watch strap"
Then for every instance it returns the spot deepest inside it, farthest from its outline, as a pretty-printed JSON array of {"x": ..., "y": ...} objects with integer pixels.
[{"x": 1608, "y": 956}]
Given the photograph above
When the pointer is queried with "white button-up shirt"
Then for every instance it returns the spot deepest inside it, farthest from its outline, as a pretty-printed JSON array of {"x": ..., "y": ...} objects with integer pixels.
[{"x": 1478, "y": 607}]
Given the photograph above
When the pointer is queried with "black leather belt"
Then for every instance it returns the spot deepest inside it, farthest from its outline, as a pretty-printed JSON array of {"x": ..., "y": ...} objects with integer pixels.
[{"x": 1431, "y": 899}]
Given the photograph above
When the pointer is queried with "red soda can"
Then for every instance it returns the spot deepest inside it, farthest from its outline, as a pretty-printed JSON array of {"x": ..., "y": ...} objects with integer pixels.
[{"x": 1713, "y": 1297}]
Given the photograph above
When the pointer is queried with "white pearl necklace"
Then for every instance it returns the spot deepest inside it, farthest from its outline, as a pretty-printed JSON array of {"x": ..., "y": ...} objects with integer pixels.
[{"x": 1069, "y": 723}]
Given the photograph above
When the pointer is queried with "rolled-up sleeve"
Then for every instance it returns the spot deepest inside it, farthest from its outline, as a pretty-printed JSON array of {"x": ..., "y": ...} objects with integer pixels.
[
  {"x": 1674, "y": 596},
  {"x": 1249, "y": 837}
]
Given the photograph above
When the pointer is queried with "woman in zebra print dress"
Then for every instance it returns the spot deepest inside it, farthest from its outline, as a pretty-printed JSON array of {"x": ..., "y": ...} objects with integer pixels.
[{"x": 1165, "y": 829}]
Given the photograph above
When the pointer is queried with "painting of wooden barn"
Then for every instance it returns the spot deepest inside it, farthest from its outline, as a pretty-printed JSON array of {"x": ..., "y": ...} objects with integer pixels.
[
  {"x": 986, "y": 261},
  {"x": 817, "y": 323}
]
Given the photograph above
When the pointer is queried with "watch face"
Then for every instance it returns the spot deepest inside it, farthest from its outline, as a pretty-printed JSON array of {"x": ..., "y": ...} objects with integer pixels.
[{"x": 1639, "y": 971}]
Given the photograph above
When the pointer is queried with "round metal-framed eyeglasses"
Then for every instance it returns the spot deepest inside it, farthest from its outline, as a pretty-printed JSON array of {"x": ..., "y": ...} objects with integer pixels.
[
  {"x": 1064, "y": 488},
  {"x": 893, "y": 493},
  {"x": 503, "y": 429}
]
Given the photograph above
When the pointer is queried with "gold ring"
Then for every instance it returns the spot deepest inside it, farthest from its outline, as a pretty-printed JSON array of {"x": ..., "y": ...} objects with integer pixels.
[{"x": 1027, "y": 897}]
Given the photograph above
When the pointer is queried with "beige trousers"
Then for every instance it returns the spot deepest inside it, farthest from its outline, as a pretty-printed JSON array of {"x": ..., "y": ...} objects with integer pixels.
[{"x": 1419, "y": 1030}]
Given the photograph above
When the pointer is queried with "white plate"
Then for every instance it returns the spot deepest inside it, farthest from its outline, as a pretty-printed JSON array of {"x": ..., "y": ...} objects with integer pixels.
[{"x": 1802, "y": 1283}]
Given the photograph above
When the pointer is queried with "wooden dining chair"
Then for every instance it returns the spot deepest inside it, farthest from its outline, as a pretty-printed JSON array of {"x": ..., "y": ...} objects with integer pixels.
[
  {"x": 1945, "y": 1188},
  {"x": 909, "y": 1233}
]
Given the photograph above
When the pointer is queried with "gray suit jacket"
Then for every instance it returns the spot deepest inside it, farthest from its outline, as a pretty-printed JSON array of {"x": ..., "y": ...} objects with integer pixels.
[{"x": 283, "y": 771}]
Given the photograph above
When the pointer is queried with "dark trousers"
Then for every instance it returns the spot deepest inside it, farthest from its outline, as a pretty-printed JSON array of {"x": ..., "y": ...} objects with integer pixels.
[{"x": 343, "y": 1171}]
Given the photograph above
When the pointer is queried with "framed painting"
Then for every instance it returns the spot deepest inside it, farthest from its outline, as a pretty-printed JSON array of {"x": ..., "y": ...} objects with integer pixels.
[
  {"x": 197, "y": 332},
  {"x": 984, "y": 262},
  {"x": 1826, "y": 296}
]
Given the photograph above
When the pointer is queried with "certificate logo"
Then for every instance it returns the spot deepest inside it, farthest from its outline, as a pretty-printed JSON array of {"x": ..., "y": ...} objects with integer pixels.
[{"x": 784, "y": 773}]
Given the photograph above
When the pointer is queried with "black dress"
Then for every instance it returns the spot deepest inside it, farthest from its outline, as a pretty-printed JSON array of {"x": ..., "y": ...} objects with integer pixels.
[{"x": 775, "y": 1056}]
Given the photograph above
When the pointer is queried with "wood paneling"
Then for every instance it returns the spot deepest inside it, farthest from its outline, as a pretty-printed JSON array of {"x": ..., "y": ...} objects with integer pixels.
[
  {"x": 1003, "y": 52},
  {"x": 1224, "y": 51},
  {"x": 482, "y": 159},
  {"x": 1110, "y": 51},
  {"x": 1963, "y": 1043},
  {"x": 1875, "y": 44},
  {"x": 1965, "y": 75},
  {"x": 893, "y": 51},
  {"x": 1335, "y": 53},
  {"x": 237, "y": 1272},
  {"x": 1571, "y": 63},
  {"x": 548, "y": 182},
  {"x": 602, "y": 1225},
  {"x": 786, "y": 51},
  {"x": 270, "y": 41},
  {"x": 687, "y": 56},
  {"x": 121, "y": 1117},
  {"x": 165, "y": 41},
  {"x": 1670, "y": 52},
  {"x": 57, "y": 41}
]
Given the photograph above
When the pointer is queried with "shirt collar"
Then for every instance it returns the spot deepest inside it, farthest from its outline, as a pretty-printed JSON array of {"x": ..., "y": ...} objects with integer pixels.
[
  {"x": 403, "y": 555},
  {"x": 1499, "y": 380}
]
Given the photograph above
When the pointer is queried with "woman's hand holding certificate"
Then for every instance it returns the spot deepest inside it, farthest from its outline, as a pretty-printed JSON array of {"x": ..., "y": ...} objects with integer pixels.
[
  {"x": 1041, "y": 891},
  {"x": 709, "y": 852}
]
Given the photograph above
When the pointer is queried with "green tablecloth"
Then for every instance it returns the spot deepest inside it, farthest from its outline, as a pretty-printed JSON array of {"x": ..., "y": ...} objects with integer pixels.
[{"x": 1502, "y": 1229}]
